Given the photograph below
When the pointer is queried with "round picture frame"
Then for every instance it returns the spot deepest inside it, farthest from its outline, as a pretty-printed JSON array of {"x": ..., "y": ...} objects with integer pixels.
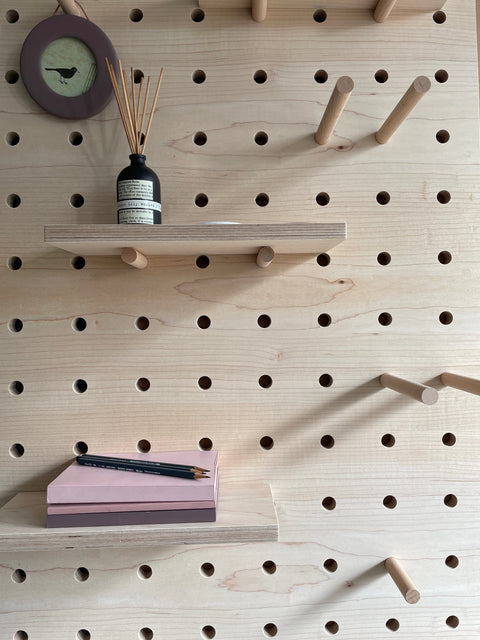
[{"x": 98, "y": 95}]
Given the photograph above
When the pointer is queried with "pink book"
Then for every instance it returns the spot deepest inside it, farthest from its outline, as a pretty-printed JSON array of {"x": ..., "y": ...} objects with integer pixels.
[{"x": 84, "y": 484}]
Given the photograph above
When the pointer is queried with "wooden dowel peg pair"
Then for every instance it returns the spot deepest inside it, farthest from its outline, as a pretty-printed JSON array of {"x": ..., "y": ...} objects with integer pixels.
[
  {"x": 402, "y": 580},
  {"x": 134, "y": 258}
]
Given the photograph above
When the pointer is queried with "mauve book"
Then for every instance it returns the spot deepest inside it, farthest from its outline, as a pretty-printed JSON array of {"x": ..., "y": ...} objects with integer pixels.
[
  {"x": 85, "y": 484},
  {"x": 131, "y": 517}
]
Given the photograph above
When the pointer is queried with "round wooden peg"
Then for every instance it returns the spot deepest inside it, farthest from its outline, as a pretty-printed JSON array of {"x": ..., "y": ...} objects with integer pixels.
[
  {"x": 70, "y": 7},
  {"x": 333, "y": 111},
  {"x": 134, "y": 258},
  {"x": 402, "y": 580},
  {"x": 383, "y": 10},
  {"x": 259, "y": 10},
  {"x": 265, "y": 257},
  {"x": 419, "y": 87},
  {"x": 415, "y": 390},
  {"x": 470, "y": 385}
]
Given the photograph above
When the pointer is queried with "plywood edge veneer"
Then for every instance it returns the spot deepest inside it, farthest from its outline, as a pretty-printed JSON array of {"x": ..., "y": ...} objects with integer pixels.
[
  {"x": 228, "y": 239},
  {"x": 244, "y": 514}
]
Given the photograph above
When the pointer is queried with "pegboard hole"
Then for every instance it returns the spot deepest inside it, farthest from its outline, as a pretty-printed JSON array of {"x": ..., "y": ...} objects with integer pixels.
[
  {"x": 143, "y": 446},
  {"x": 202, "y": 262},
  {"x": 324, "y": 320},
  {"x": 441, "y": 76},
  {"x": 14, "y": 200},
  {"x": 330, "y": 565},
  {"x": 75, "y": 138},
  {"x": 12, "y": 76},
  {"x": 145, "y": 633},
  {"x": 264, "y": 321},
  {"x": 203, "y": 322},
  {"x": 83, "y": 634},
  {"x": 16, "y": 388},
  {"x": 444, "y": 197},
  {"x": 325, "y": 380},
  {"x": 329, "y": 503},
  {"x": 144, "y": 572},
  {"x": 265, "y": 381},
  {"x": 323, "y": 260},
  {"x": 262, "y": 199},
  {"x": 17, "y": 450},
  {"x": 332, "y": 627},
  {"x": 383, "y": 197},
  {"x": 270, "y": 630},
  {"x": 321, "y": 76},
  {"x": 446, "y": 317},
  {"x": 269, "y": 567},
  {"x": 80, "y": 447},
  {"x": 442, "y": 136},
  {"x": 204, "y": 382},
  {"x": 327, "y": 441},
  {"x": 207, "y": 569},
  {"x": 320, "y": 15},
  {"x": 322, "y": 199},
  {"x": 390, "y": 502},
  {"x": 197, "y": 15},
  {"x": 208, "y": 631},
  {"x": 384, "y": 258},
  {"x": 15, "y": 325},
  {"x": 444, "y": 257},
  {"x": 19, "y": 576},
  {"x": 205, "y": 444},
  {"x": 388, "y": 440},
  {"x": 200, "y": 138},
  {"x": 266, "y": 443},
  {"x": 201, "y": 200},
  {"x": 142, "y": 323},
  {"x": 381, "y": 76},
  {"x": 136, "y": 15},
  {"x": 392, "y": 624},
  {"x": 80, "y": 386},
  {"x": 199, "y": 76},
  {"x": 12, "y": 138},
  {"x": 78, "y": 262},
  {"x": 452, "y": 562},
  {"x": 14, "y": 263},
  {"x": 20, "y": 635},
  {"x": 142, "y": 384},
  {"x": 81, "y": 574},
  {"x": 449, "y": 439},
  {"x": 77, "y": 200},
  {"x": 261, "y": 138},
  {"x": 439, "y": 17},
  {"x": 79, "y": 324},
  {"x": 450, "y": 500},
  {"x": 260, "y": 76},
  {"x": 385, "y": 319},
  {"x": 12, "y": 16},
  {"x": 138, "y": 76},
  {"x": 452, "y": 622}
]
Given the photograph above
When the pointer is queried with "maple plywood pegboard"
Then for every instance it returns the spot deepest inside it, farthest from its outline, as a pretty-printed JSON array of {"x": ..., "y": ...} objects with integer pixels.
[{"x": 277, "y": 368}]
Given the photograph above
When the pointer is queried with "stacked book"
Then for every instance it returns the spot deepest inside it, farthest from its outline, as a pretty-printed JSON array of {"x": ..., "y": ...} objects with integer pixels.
[{"x": 139, "y": 488}]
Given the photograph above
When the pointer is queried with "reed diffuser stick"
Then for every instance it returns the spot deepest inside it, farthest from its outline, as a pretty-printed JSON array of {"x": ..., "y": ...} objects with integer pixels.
[{"x": 152, "y": 111}]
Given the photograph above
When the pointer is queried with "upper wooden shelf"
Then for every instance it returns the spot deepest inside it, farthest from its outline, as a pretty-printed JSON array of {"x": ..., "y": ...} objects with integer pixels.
[
  {"x": 210, "y": 239},
  {"x": 244, "y": 514}
]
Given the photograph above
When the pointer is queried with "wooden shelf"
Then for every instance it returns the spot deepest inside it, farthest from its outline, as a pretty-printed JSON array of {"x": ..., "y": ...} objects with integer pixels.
[
  {"x": 110, "y": 239},
  {"x": 244, "y": 514}
]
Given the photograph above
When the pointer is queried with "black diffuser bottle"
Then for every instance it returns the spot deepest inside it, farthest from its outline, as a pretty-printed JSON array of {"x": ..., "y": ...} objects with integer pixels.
[{"x": 138, "y": 193}]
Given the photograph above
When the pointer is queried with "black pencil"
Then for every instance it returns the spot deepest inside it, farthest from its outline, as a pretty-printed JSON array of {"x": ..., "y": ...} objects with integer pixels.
[
  {"x": 137, "y": 466},
  {"x": 153, "y": 463}
]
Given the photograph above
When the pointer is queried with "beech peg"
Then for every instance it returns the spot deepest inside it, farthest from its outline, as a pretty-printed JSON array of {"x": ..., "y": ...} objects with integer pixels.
[
  {"x": 134, "y": 258},
  {"x": 415, "y": 92},
  {"x": 383, "y": 10},
  {"x": 259, "y": 10},
  {"x": 401, "y": 579},
  {"x": 333, "y": 111},
  {"x": 265, "y": 257},
  {"x": 71, "y": 7},
  {"x": 414, "y": 390},
  {"x": 471, "y": 385}
]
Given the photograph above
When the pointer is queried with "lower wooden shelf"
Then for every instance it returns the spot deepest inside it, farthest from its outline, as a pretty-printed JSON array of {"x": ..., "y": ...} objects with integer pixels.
[
  {"x": 195, "y": 239},
  {"x": 244, "y": 514}
]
